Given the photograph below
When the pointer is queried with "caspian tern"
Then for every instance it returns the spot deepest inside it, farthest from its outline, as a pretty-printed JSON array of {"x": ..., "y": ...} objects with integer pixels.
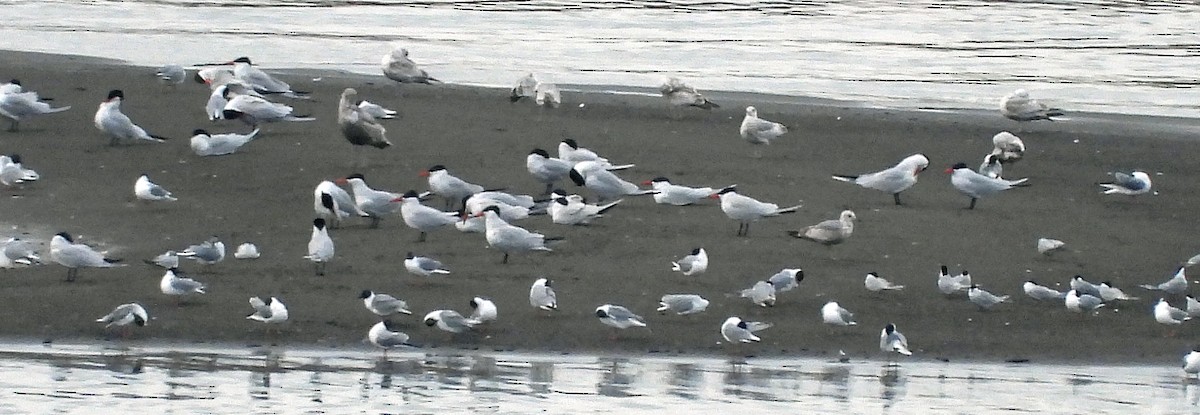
[
  {"x": 1084, "y": 286},
  {"x": 334, "y": 204},
  {"x": 205, "y": 144},
  {"x": 449, "y": 321},
  {"x": 116, "y": 125},
  {"x": 1020, "y": 107},
  {"x": 673, "y": 194},
  {"x": 64, "y": 251},
  {"x": 617, "y": 316},
  {"x": 976, "y": 185},
  {"x": 1133, "y": 184},
  {"x": 694, "y": 263},
  {"x": 17, "y": 106},
  {"x": 220, "y": 96},
  {"x": 423, "y": 218},
  {"x": 572, "y": 210},
  {"x": 875, "y": 283},
  {"x": 983, "y": 299},
  {"x": 736, "y": 330},
  {"x": 245, "y": 70},
  {"x": 570, "y": 152},
  {"x": 679, "y": 94},
  {"x": 546, "y": 169},
  {"x": 511, "y": 239},
  {"x": 253, "y": 110},
  {"x": 747, "y": 210},
  {"x": 891, "y": 340},
  {"x": 375, "y": 203},
  {"x": 604, "y": 183},
  {"x": 1042, "y": 293},
  {"x": 682, "y": 304},
  {"x": 892, "y": 180},
  {"x": 829, "y": 232},
  {"x": 449, "y": 187},
  {"x": 542, "y": 296},
  {"x": 383, "y": 305},
  {"x": 398, "y": 67},
  {"x": 1178, "y": 284},
  {"x": 320, "y": 246},
  {"x": 759, "y": 131},
  {"x": 144, "y": 189},
  {"x": 1110, "y": 293}
]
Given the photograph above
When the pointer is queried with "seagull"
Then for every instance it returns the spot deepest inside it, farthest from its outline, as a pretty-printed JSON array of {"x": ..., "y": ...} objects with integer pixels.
[
  {"x": 375, "y": 203},
  {"x": 359, "y": 127},
  {"x": 680, "y": 94},
  {"x": 546, "y": 169},
  {"x": 682, "y": 304},
  {"x": 1164, "y": 313},
  {"x": 891, "y": 340},
  {"x": 875, "y": 283},
  {"x": 693, "y": 264},
  {"x": 1047, "y": 246},
  {"x": 398, "y": 67},
  {"x": 673, "y": 194},
  {"x": 253, "y": 110},
  {"x": 1020, "y": 107},
  {"x": 985, "y": 300},
  {"x": 894, "y": 180},
  {"x": 1007, "y": 147},
  {"x": 736, "y": 330},
  {"x": 747, "y": 210},
  {"x": 976, "y": 185},
  {"x": 205, "y": 144},
  {"x": 570, "y": 151},
  {"x": 1085, "y": 287},
  {"x": 449, "y": 320},
  {"x": 116, "y": 125},
  {"x": 949, "y": 284},
  {"x": 172, "y": 284},
  {"x": 273, "y": 312},
  {"x": 1132, "y": 184},
  {"x": 245, "y": 70},
  {"x": 484, "y": 310},
  {"x": 834, "y": 314},
  {"x": 1110, "y": 293},
  {"x": 383, "y": 305},
  {"x": 787, "y": 279},
  {"x": 246, "y": 251},
  {"x": 334, "y": 204},
  {"x": 759, "y": 131},
  {"x": 1082, "y": 303},
  {"x": 991, "y": 166},
  {"x": 64, "y": 251},
  {"x": 17, "y": 106},
  {"x": 14, "y": 252},
  {"x": 542, "y": 296},
  {"x": 571, "y": 210},
  {"x": 423, "y": 266},
  {"x": 1191, "y": 362},
  {"x": 761, "y": 293},
  {"x": 604, "y": 183},
  {"x": 423, "y": 218},
  {"x": 1041, "y": 292},
  {"x": 126, "y": 314},
  {"x": 146, "y": 190},
  {"x": 376, "y": 111},
  {"x": 1176, "y": 285},
  {"x": 171, "y": 75},
  {"x": 383, "y": 336},
  {"x": 511, "y": 239},
  {"x": 619, "y": 317},
  {"x": 525, "y": 88},
  {"x": 451, "y": 188},
  {"x": 547, "y": 95},
  {"x": 320, "y": 246},
  {"x": 208, "y": 252},
  {"x": 13, "y": 173},
  {"x": 830, "y": 232}
]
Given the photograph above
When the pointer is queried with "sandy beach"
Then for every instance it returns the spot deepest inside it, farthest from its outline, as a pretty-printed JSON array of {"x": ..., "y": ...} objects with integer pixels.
[{"x": 263, "y": 194}]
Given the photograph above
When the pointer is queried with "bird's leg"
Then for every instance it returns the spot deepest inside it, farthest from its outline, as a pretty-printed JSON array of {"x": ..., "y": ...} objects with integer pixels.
[
  {"x": 422, "y": 237},
  {"x": 374, "y": 222},
  {"x": 896, "y": 196},
  {"x": 505, "y": 261},
  {"x": 71, "y": 274},
  {"x": 13, "y": 127},
  {"x": 972, "y": 207},
  {"x": 549, "y": 188}
]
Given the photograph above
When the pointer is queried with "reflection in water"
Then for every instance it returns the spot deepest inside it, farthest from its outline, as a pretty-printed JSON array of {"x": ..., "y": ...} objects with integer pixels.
[
  {"x": 615, "y": 382},
  {"x": 891, "y": 382},
  {"x": 684, "y": 380},
  {"x": 834, "y": 382},
  {"x": 541, "y": 375}
]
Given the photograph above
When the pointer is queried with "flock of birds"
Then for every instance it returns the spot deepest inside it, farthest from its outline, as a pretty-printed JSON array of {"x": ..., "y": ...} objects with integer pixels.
[{"x": 240, "y": 91}]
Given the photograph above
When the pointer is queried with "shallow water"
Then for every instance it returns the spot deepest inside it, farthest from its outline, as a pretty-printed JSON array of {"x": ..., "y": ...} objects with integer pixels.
[
  {"x": 1109, "y": 56},
  {"x": 79, "y": 379}
]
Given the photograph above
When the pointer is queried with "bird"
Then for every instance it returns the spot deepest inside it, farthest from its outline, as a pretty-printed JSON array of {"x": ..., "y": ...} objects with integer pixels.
[
  {"x": 377, "y": 111},
  {"x": 679, "y": 94},
  {"x": 262, "y": 82},
  {"x": 359, "y": 127},
  {"x": 209, "y": 252},
  {"x": 449, "y": 187},
  {"x": 15, "y": 252},
  {"x": 449, "y": 321},
  {"x": 894, "y": 180},
  {"x": 171, "y": 75},
  {"x": 570, "y": 151},
  {"x": 334, "y": 204},
  {"x": 1132, "y": 184},
  {"x": 1007, "y": 147},
  {"x": 1193, "y": 307},
  {"x": 526, "y": 87},
  {"x": 547, "y": 95},
  {"x": 950, "y": 284},
  {"x": 174, "y": 285},
  {"x": 126, "y": 314},
  {"x": 762, "y": 293},
  {"x": 375, "y": 203},
  {"x": 512, "y": 207},
  {"x": 423, "y": 266},
  {"x": 891, "y": 340},
  {"x": 144, "y": 189},
  {"x": 398, "y": 67},
  {"x": 1085, "y": 287},
  {"x": 694, "y": 263},
  {"x": 1047, "y": 246},
  {"x": 991, "y": 166},
  {"x": 834, "y": 315},
  {"x": 736, "y": 330},
  {"x": 1191, "y": 362},
  {"x": 759, "y": 131},
  {"x": 205, "y": 144},
  {"x": 320, "y": 246},
  {"x": 976, "y": 185},
  {"x": 830, "y": 232},
  {"x": 423, "y": 218},
  {"x": 677, "y": 195},
  {"x": 875, "y": 283},
  {"x": 13, "y": 171},
  {"x": 64, "y": 251},
  {"x": 383, "y": 305},
  {"x": 511, "y": 239},
  {"x": 604, "y": 183},
  {"x": 483, "y": 310},
  {"x": 117, "y": 125},
  {"x": 12, "y": 87},
  {"x": 1178, "y": 284},
  {"x": 383, "y": 336},
  {"x": 682, "y": 304},
  {"x": 572, "y": 210},
  {"x": 17, "y": 106},
  {"x": 541, "y": 295},
  {"x": 1082, "y": 303},
  {"x": 1110, "y": 293},
  {"x": 787, "y": 279},
  {"x": 1041, "y": 292},
  {"x": 1164, "y": 313},
  {"x": 618, "y": 316},
  {"x": 985, "y": 300},
  {"x": 1018, "y": 106},
  {"x": 747, "y": 210},
  {"x": 545, "y": 169},
  {"x": 273, "y": 312},
  {"x": 246, "y": 251},
  {"x": 254, "y": 110}
]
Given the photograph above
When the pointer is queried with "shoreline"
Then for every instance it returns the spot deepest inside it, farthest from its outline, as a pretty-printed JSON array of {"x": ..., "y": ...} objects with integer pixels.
[{"x": 263, "y": 195}]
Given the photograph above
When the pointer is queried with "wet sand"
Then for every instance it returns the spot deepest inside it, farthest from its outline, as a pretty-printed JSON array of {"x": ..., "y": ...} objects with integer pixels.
[{"x": 263, "y": 195}]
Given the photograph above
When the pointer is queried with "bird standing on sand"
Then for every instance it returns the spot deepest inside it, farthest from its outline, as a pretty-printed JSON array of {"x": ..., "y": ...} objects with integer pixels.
[
  {"x": 17, "y": 106},
  {"x": 383, "y": 305},
  {"x": 692, "y": 264},
  {"x": 834, "y": 315},
  {"x": 1020, "y": 107},
  {"x": 174, "y": 285},
  {"x": 15, "y": 252},
  {"x": 320, "y": 246},
  {"x": 1133, "y": 184},
  {"x": 144, "y": 189},
  {"x": 747, "y": 210},
  {"x": 736, "y": 330},
  {"x": 950, "y": 284},
  {"x": 262, "y": 82},
  {"x": 375, "y": 203},
  {"x": 64, "y": 251},
  {"x": 423, "y": 218},
  {"x": 116, "y": 125},
  {"x": 359, "y": 127},
  {"x": 511, "y": 239},
  {"x": 679, "y": 94},
  {"x": 976, "y": 185},
  {"x": 273, "y": 312},
  {"x": 892, "y": 180},
  {"x": 334, "y": 204},
  {"x": 547, "y": 170},
  {"x": 383, "y": 336},
  {"x": 762, "y": 294},
  {"x": 126, "y": 314},
  {"x": 1007, "y": 147},
  {"x": 398, "y": 67},
  {"x": 830, "y": 232},
  {"x": 891, "y": 340},
  {"x": 1164, "y": 313},
  {"x": 541, "y": 295},
  {"x": 759, "y": 131},
  {"x": 449, "y": 187},
  {"x": 208, "y": 252}
]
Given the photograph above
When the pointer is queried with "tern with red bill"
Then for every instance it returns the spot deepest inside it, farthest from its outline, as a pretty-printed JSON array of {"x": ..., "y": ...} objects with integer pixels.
[
  {"x": 375, "y": 203},
  {"x": 117, "y": 125},
  {"x": 570, "y": 151},
  {"x": 253, "y": 110},
  {"x": 673, "y": 194},
  {"x": 245, "y": 70},
  {"x": 736, "y": 330},
  {"x": 19, "y": 105},
  {"x": 976, "y": 185},
  {"x": 547, "y": 170},
  {"x": 894, "y": 180},
  {"x": 511, "y": 239},
  {"x": 423, "y": 218},
  {"x": 606, "y": 185},
  {"x": 747, "y": 210},
  {"x": 449, "y": 187}
]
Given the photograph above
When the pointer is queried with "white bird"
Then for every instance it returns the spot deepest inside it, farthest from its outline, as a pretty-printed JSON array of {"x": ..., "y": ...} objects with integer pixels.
[
  {"x": 991, "y": 166},
  {"x": 208, "y": 252},
  {"x": 1047, "y": 246},
  {"x": 604, "y": 183},
  {"x": 64, "y": 251},
  {"x": 222, "y": 93},
  {"x": 205, "y": 144},
  {"x": 12, "y": 87},
  {"x": 147, "y": 190},
  {"x": 273, "y": 312},
  {"x": 673, "y": 194},
  {"x": 787, "y": 279},
  {"x": 1193, "y": 307},
  {"x": 680, "y": 94},
  {"x": 682, "y": 304},
  {"x": 985, "y": 300},
  {"x": 320, "y": 246},
  {"x": 1133, "y": 184},
  {"x": 262, "y": 82},
  {"x": 619, "y": 317},
  {"x": 747, "y": 210},
  {"x": 1164, "y": 313},
  {"x": 759, "y": 131},
  {"x": 570, "y": 151},
  {"x": 358, "y": 126},
  {"x": 398, "y": 67},
  {"x": 1041, "y": 292},
  {"x": 117, "y": 125},
  {"x": 1178, "y": 284},
  {"x": 1084, "y": 286},
  {"x": 449, "y": 320},
  {"x": 383, "y": 305},
  {"x": 894, "y": 180},
  {"x": 976, "y": 185},
  {"x": 1007, "y": 147},
  {"x": 171, "y": 75},
  {"x": 950, "y": 284},
  {"x": 511, "y": 239},
  {"x": 246, "y": 251},
  {"x": 375, "y": 203},
  {"x": 829, "y": 232},
  {"x": 14, "y": 252},
  {"x": 833, "y": 314},
  {"x": 692, "y": 264},
  {"x": 17, "y": 106},
  {"x": 253, "y": 110},
  {"x": 875, "y": 283},
  {"x": 1111, "y": 293},
  {"x": 423, "y": 218},
  {"x": 1020, "y": 107},
  {"x": 126, "y": 314},
  {"x": 483, "y": 310},
  {"x": 334, "y": 204},
  {"x": 1191, "y": 362},
  {"x": 512, "y": 207},
  {"x": 542, "y": 296},
  {"x": 174, "y": 285},
  {"x": 13, "y": 171},
  {"x": 762, "y": 293},
  {"x": 423, "y": 266},
  {"x": 383, "y": 336},
  {"x": 1082, "y": 303},
  {"x": 449, "y": 187},
  {"x": 526, "y": 87},
  {"x": 571, "y": 210},
  {"x": 891, "y": 340},
  {"x": 547, "y": 95},
  {"x": 736, "y": 330},
  {"x": 377, "y": 111},
  {"x": 547, "y": 170}
]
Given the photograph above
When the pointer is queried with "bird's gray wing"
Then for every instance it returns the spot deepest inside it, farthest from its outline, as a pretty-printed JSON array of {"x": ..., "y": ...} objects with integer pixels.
[{"x": 392, "y": 339}]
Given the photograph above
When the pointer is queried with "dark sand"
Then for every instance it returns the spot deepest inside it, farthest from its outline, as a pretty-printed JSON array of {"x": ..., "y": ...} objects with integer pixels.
[{"x": 264, "y": 195}]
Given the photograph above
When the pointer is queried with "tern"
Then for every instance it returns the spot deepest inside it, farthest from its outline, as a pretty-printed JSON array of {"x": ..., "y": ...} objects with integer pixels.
[
  {"x": 320, "y": 246},
  {"x": 894, "y": 180},
  {"x": 449, "y": 321},
  {"x": 511, "y": 239},
  {"x": 384, "y": 336},
  {"x": 976, "y": 185},
  {"x": 571, "y": 210},
  {"x": 423, "y": 266},
  {"x": 875, "y": 283},
  {"x": 547, "y": 170},
  {"x": 1191, "y": 362},
  {"x": 449, "y": 187},
  {"x": 1082, "y": 303},
  {"x": 334, "y": 204},
  {"x": 272, "y": 312},
  {"x": 383, "y": 305},
  {"x": 1132, "y": 184},
  {"x": 694, "y": 263},
  {"x": 375, "y": 203},
  {"x": 677, "y": 195},
  {"x": 834, "y": 315},
  {"x": 1041, "y": 292},
  {"x": 983, "y": 299},
  {"x": 541, "y": 295},
  {"x": 891, "y": 340},
  {"x": 174, "y": 285},
  {"x": 950, "y": 284},
  {"x": 1085, "y": 287},
  {"x": 604, "y": 183},
  {"x": 245, "y": 70},
  {"x": 15, "y": 252},
  {"x": 126, "y": 314},
  {"x": 116, "y": 125},
  {"x": 736, "y": 330},
  {"x": 13, "y": 171},
  {"x": 762, "y": 293},
  {"x": 205, "y": 144},
  {"x": 209, "y": 252},
  {"x": 570, "y": 151},
  {"x": 64, "y": 251},
  {"x": 617, "y": 316},
  {"x": 253, "y": 110},
  {"x": 423, "y": 218},
  {"x": 18, "y": 106},
  {"x": 376, "y": 111},
  {"x": 483, "y": 310},
  {"x": 787, "y": 279},
  {"x": 747, "y": 210},
  {"x": 1178, "y": 284}
]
